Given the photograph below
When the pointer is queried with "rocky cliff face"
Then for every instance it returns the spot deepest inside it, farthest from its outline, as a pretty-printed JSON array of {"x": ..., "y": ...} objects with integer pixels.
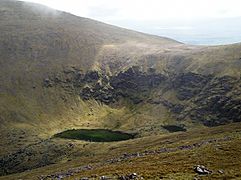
[
  {"x": 132, "y": 84},
  {"x": 203, "y": 98},
  {"x": 218, "y": 102}
]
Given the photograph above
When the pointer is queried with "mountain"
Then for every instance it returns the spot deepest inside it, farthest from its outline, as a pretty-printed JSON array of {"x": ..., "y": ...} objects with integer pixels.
[{"x": 60, "y": 72}]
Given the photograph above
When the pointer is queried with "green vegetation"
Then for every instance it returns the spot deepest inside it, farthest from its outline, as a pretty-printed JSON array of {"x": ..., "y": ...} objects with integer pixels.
[{"x": 95, "y": 135}]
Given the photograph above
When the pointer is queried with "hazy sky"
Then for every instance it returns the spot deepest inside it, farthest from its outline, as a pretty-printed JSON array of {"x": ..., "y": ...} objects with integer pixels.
[
  {"x": 109, "y": 10},
  {"x": 162, "y": 17}
]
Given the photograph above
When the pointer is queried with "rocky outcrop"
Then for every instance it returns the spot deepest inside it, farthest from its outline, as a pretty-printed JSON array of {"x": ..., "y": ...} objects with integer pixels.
[
  {"x": 132, "y": 84},
  {"x": 203, "y": 98},
  {"x": 189, "y": 85},
  {"x": 218, "y": 102},
  {"x": 135, "y": 84}
]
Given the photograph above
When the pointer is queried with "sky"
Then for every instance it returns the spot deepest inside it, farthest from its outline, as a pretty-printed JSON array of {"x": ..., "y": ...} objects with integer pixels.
[{"x": 180, "y": 19}]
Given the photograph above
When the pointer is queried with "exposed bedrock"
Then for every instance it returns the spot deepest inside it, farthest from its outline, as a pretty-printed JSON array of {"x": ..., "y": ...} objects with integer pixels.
[{"x": 204, "y": 98}]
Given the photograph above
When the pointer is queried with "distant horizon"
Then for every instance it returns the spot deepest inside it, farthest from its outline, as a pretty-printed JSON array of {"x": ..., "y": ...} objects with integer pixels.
[
  {"x": 216, "y": 32},
  {"x": 191, "y": 22}
]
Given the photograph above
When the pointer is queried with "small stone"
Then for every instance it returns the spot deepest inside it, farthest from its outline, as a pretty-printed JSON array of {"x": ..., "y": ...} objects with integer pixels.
[
  {"x": 202, "y": 170},
  {"x": 133, "y": 176},
  {"x": 220, "y": 171},
  {"x": 128, "y": 177},
  {"x": 103, "y": 178},
  {"x": 84, "y": 178}
]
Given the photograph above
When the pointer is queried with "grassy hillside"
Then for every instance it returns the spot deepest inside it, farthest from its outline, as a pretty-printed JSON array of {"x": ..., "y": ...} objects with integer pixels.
[
  {"x": 59, "y": 72},
  {"x": 161, "y": 156}
]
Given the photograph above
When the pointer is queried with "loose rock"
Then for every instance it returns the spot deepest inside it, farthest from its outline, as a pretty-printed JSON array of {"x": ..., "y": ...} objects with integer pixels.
[{"x": 202, "y": 170}]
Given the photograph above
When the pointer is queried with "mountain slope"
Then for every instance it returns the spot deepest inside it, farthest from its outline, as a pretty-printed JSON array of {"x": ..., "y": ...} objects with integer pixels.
[{"x": 59, "y": 71}]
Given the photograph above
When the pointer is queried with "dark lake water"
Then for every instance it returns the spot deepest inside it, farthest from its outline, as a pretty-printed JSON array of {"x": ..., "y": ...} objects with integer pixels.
[{"x": 95, "y": 135}]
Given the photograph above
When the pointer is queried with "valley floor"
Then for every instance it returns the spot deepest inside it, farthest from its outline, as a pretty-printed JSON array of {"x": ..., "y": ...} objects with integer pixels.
[{"x": 171, "y": 156}]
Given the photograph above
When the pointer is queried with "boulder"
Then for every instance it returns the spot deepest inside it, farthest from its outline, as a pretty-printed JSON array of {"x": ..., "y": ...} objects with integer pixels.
[{"x": 202, "y": 170}]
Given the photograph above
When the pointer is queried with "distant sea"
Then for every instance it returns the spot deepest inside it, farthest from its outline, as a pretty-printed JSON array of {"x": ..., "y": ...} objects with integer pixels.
[
  {"x": 199, "y": 32},
  {"x": 204, "y": 32},
  {"x": 202, "y": 37}
]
